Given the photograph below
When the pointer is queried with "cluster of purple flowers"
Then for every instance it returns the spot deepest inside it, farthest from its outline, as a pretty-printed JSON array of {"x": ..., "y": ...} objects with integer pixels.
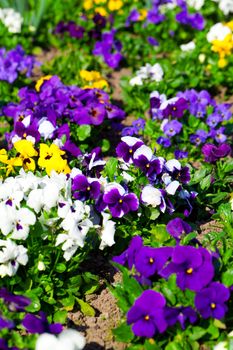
[
  {"x": 168, "y": 176},
  {"x": 76, "y": 31},
  {"x": 194, "y": 270},
  {"x": 49, "y": 112},
  {"x": 109, "y": 48},
  {"x": 15, "y": 62},
  {"x": 155, "y": 16},
  {"x": 16, "y": 304},
  {"x": 137, "y": 127},
  {"x": 200, "y": 105}
]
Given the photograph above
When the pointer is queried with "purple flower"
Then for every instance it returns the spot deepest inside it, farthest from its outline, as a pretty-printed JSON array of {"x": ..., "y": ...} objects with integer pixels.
[
  {"x": 199, "y": 137},
  {"x": 152, "y": 41},
  {"x": 153, "y": 16},
  {"x": 14, "y": 302},
  {"x": 213, "y": 120},
  {"x": 194, "y": 20},
  {"x": 180, "y": 314},
  {"x": 175, "y": 107},
  {"x": 163, "y": 141},
  {"x": 147, "y": 314},
  {"x": 177, "y": 228},
  {"x": 149, "y": 260},
  {"x": 218, "y": 135},
  {"x": 224, "y": 111},
  {"x": 139, "y": 124},
  {"x": 129, "y": 255},
  {"x": 39, "y": 324},
  {"x": 118, "y": 201},
  {"x": 213, "y": 153},
  {"x": 147, "y": 162},
  {"x": 127, "y": 148},
  {"x": 210, "y": 301},
  {"x": 172, "y": 128},
  {"x": 193, "y": 267},
  {"x": 84, "y": 188},
  {"x": 6, "y": 324},
  {"x": 180, "y": 154},
  {"x": 133, "y": 17},
  {"x": 129, "y": 131}
]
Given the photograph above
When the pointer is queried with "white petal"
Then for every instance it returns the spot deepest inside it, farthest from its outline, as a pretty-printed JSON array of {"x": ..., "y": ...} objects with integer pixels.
[
  {"x": 145, "y": 151},
  {"x": 172, "y": 187},
  {"x": 151, "y": 196}
]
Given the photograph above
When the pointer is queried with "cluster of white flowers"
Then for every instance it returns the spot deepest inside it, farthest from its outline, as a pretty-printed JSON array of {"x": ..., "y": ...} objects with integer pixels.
[
  {"x": 226, "y": 6},
  {"x": 218, "y": 32},
  {"x": 68, "y": 339},
  {"x": 196, "y": 4},
  {"x": 147, "y": 72},
  {"x": 11, "y": 19}
]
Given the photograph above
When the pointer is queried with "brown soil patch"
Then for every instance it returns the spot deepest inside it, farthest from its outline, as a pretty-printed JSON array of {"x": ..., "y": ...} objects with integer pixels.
[{"x": 97, "y": 329}]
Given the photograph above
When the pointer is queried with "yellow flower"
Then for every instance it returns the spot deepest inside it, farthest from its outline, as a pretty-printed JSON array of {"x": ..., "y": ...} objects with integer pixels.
[
  {"x": 223, "y": 47},
  {"x": 230, "y": 25},
  {"x": 89, "y": 75},
  {"x": 101, "y": 11},
  {"x": 98, "y": 2},
  {"x": 115, "y": 5},
  {"x": 88, "y": 4},
  {"x": 40, "y": 81},
  {"x": 143, "y": 14},
  {"x": 27, "y": 151},
  {"x": 94, "y": 78},
  {"x": 222, "y": 63},
  {"x": 51, "y": 159},
  {"x": 3, "y": 156}
]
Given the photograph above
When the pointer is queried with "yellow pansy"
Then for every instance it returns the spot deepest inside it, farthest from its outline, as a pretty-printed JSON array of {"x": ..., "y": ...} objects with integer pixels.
[
  {"x": 101, "y": 11},
  {"x": 230, "y": 25},
  {"x": 94, "y": 78},
  {"x": 88, "y": 4},
  {"x": 223, "y": 47},
  {"x": 222, "y": 63},
  {"x": 143, "y": 14},
  {"x": 51, "y": 159},
  {"x": 115, "y": 5},
  {"x": 3, "y": 155},
  {"x": 40, "y": 82},
  {"x": 89, "y": 75},
  {"x": 98, "y": 2},
  {"x": 27, "y": 151}
]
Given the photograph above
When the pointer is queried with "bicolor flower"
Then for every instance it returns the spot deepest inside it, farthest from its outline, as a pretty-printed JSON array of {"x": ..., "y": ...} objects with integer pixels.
[
  {"x": 118, "y": 201},
  {"x": 147, "y": 162},
  {"x": 11, "y": 256},
  {"x": 127, "y": 147}
]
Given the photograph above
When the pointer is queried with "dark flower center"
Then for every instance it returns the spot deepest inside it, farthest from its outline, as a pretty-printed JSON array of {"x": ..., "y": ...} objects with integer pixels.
[
  {"x": 94, "y": 113},
  {"x": 147, "y": 165},
  {"x": 146, "y": 318},
  {"x": 120, "y": 201},
  {"x": 189, "y": 271},
  {"x": 171, "y": 130},
  {"x": 174, "y": 108},
  {"x": 130, "y": 150},
  {"x": 88, "y": 188},
  {"x": 48, "y": 157},
  {"x": 213, "y": 305},
  {"x": 151, "y": 260},
  {"x": 27, "y": 160}
]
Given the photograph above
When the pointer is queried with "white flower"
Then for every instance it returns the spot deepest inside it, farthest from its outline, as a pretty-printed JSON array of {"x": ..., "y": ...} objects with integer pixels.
[
  {"x": 188, "y": 47},
  {"x": 196, "y": 4},
  {"x": 226, "y": 6},
  {"x": 46, "y": 128},
  {"x": 221, "y": 346},
  {"x": 151, "y": 196},
  {"x": 108, "y": 231},
  {"x": 127, "y": 177},
  {"x": 156, "y": 73},
  {"x": 11, "y": 256},
  {"x": 172, "y": 165},
  {"x": 11, "y": 19},
  {"x": 218, "y": 32},
  {"x": 136, "y": 81},
  {"x": 22, "y": 220},
  {"x": 69, "y": 339},
  {"x": 172, "y": 187}
]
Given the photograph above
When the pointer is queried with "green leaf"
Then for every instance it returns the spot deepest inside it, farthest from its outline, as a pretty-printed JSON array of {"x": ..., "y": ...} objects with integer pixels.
[
  {"x": 61, "y": 267},
  {"x": 198, "y": 333},
  {"x": 105, "y": 145},
  {"x": 35, "y": 302},
  {"x": 188, "y": 238},
  {"x": 60, "y": 316},
  {"x": 205, "y": 183},
  {"x": 86, "y": 309},
  {"x": 219, "y": 324},
  {"x": 218, "y": 197},
  {"x": 111, "y": 168},
  {"x": 83, "y": 132},
  {"x": 123, "y": 333},
  {"x": 174, "y": 346},
  {"x": 227, "y": 278},
  {"x": 68, "y": 302},
  {"x": 198, "y": 175}
]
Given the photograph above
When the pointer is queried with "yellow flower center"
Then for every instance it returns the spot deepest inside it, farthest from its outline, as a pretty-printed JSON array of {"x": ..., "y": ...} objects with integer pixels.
[
  {"x": 120, "y": 201},
  {"x": 189, "y": 271},
  {"x": 146, "y": 318},
  {"x": 151, "y": 260},
  {"x": 213, "y": 305}
]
